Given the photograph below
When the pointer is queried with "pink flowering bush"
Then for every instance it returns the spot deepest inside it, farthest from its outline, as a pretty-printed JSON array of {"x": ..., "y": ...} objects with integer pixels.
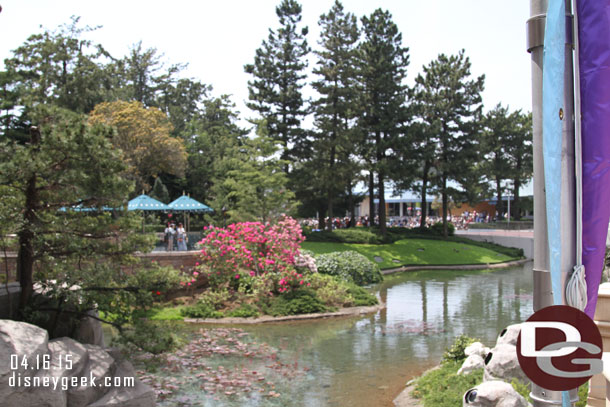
[{"x": 250, "y": 249}]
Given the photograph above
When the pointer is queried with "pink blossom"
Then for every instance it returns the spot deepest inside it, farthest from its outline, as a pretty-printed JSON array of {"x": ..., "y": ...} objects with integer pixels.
[{"x": 237, "y": 276}]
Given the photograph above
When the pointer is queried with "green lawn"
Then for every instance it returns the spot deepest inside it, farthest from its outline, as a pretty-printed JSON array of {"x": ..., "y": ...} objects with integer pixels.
[{"x": 415, "y": 251}]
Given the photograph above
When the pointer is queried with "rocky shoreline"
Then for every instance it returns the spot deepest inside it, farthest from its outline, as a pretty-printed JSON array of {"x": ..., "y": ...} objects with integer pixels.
[{"x": 500, "y": 366}]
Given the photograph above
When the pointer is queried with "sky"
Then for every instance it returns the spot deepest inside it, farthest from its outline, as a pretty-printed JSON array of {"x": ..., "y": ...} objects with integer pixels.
[{"x": 217, "y": 38}]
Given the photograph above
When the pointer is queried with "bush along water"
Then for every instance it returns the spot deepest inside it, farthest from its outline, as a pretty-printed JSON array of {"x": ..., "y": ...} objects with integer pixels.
[
  {"x": 350, "y": 266},
  {"x": 253, "y": 268}
]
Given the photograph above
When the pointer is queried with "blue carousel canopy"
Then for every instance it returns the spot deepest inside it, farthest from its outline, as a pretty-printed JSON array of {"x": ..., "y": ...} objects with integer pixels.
[
  {"x": 188, "y": 204},
  {"x": 146, "y": 203}
]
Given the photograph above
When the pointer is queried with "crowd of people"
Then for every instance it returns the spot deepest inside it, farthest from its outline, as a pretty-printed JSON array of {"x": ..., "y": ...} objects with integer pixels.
[
  {"x": 460, "y": 222},
  {"x": 175, "y": 238}
]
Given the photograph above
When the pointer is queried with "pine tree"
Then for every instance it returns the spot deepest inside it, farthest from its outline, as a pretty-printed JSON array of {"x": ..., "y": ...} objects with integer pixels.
[
  {"x": 382, "y": 68},
  {"x": 334, "y": 110},
  {"x": 275, "y": 91},
  {"x": 450, "y": 108}
]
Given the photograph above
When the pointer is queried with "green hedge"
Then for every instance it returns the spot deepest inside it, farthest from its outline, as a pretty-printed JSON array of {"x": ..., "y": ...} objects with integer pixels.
[{"x": 350, "y": 266}]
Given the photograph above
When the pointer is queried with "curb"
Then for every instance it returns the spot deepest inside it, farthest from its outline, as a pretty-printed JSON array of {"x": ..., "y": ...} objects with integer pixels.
[
  {"x": 506, "y": 264},
  {"x": 351, "y": 311}
]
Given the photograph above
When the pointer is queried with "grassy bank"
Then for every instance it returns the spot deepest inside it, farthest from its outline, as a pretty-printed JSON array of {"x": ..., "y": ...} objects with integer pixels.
[{"x": 418, "y": 251}]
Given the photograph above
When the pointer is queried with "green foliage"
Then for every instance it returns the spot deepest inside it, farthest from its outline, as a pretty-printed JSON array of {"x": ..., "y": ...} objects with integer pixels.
[
  {"x": 448, "y": 102},
  {"x": 361, "y": 297},
  {"x": 296, "y": 302},
  {"x": 350, "y": 266},
  {"x": 437, "y": 229},
  {"x": 244, "y": 311},
  {"x": 583, "y": 393},
  {"x": 257, "y": 185},
  {"x": 277, "y": 79},
  {"x": 201, "y": 310},
  {"x": 522, "y": 388},
  {"x": 456, "y": 352},
  {"x": 443, "y": 387},
  {"x": 350, "y": 235},
  {"x": 159, "y": 191},
  {"x": 149, "y": 337}
]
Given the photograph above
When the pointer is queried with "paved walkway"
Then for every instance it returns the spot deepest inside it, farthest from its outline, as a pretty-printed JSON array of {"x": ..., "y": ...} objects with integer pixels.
[{"x": 497, "y": 232}]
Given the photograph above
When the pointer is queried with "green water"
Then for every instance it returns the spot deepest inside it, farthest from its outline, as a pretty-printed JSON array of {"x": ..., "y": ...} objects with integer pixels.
[{"x": 366, "y": 360}]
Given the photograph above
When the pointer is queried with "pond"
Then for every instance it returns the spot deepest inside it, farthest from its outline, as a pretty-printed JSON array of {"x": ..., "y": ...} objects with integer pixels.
[{"x": 356, "y": 361}]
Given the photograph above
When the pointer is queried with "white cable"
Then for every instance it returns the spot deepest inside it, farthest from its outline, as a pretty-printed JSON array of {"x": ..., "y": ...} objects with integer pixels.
[{"x": 576, "y": 288}]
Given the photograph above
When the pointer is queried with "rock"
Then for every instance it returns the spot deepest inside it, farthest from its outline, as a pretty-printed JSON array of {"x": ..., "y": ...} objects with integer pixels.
[
  {"x": 502, "y": 364},
  {"x": 99, "y": 366},
  {"x": 472, "y": 363},
  {"x": 19, "y": 340},
  {"x": 476, "y": 348},
  {"x": 25, "y": 386},
  {"x": 509, "y": 335},
  {"x": 68, "y": 357},
  {"x": 493, "y": 394},
  {"x": 90, "y": 330},
  {"x": 140, "y": 395}
]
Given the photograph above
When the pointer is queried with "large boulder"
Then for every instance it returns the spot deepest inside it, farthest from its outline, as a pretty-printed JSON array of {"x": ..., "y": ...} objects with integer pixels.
[
  {"x": 472, "y": 363},
  {"x": 493, "y": 394},
  {"x": 21, "y": 346},
  {"x": 501, "y": 363},
  {"x": 140, "y": 395},
  {"x": 509, "y": 335},
  {"x": 57, "y": 363},
  {"x": 476, "y": 348}
]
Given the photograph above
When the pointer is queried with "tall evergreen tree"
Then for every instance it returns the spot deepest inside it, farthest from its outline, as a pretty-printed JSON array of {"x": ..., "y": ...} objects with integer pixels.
[
  {"x": 334, "y": 110},
  {"x": 213, "y": 143},
  {"x": 450, "y": 109},
  {"x": 57, "y": 67},
  {"x": 275, "y": 91},
  {"x": 382, "y": 68},
  {"x": 507, "y": 148}
]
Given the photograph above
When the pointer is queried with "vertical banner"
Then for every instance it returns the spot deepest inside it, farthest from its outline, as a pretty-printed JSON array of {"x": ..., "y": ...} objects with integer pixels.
[
  {"x": 552, "y": 133},
  {"x": 594, "y": 60}
]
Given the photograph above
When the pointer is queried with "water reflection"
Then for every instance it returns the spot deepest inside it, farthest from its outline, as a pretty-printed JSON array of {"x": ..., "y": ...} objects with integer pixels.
[{"x": 366, "y": 360}]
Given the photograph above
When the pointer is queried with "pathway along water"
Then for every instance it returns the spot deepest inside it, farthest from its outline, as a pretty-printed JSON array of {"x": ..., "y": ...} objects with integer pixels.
[{"x": 366, "y": 361}]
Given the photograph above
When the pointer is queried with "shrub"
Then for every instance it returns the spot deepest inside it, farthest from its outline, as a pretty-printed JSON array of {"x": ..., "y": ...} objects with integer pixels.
[
  {"x": 437, "y": 229},
  {"x": 443, "y": 387},
  {"x": 296, "y": 302},
  {"x": 456, "y": 352},
  {"x": 148, "y": 336},
  {"x": 350, "y": 235},
  {"x": 249, "y": 247},
  {"x": 349, "y": 266},
  {"x": 330, "y": 290},
  {"x": 201, "y": 310},
  {"x": 244, "y": 311},
  {"x": 361, "y": 297}
]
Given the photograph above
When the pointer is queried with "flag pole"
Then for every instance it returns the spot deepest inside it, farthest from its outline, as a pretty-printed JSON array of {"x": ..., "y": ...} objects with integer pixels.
[{"x": 543, "y": 294}]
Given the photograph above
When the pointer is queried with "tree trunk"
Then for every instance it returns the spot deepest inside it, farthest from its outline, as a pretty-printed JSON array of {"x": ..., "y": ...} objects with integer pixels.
[
  {"x": 371, "y": 198},
  {"x": 445, "y": 207},
  {"x": 321, "y": 222},
  {"x": 329, "y": 191},
  {"x": 424, "y": 191},
  {"x": 499, "y": 204},
  {"x": 382, "y": 214},
  {"x": 25, "y": 254},
  {"x": 352, "y": 206},
  {"x": 516, "y": 206}
]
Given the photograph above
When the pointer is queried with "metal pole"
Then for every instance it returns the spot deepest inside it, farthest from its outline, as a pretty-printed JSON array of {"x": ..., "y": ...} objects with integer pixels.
[{"x": 543, "y": 295}]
